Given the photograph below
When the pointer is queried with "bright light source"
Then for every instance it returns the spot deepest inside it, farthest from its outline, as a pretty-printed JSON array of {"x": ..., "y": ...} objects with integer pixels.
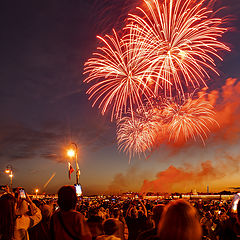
[
  {"x": 71, "y": 153},
  {"x": 36, "y": 190},
  {"x": 7, "y": 171}
]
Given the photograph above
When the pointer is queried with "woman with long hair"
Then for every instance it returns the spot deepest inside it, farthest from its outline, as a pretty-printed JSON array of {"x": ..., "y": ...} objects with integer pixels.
[
  {"x": 14, "y": 218},
  {"x": 7, "y": 216},
  {"x": 179, "y": 222}
]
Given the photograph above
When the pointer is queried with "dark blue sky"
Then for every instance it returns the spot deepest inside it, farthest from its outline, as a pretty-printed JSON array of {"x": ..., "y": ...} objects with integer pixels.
[{"x": 43, "y": 105}]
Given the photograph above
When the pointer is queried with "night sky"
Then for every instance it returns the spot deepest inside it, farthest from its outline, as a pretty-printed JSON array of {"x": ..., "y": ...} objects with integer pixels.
[{"x": 44, "y": 106}]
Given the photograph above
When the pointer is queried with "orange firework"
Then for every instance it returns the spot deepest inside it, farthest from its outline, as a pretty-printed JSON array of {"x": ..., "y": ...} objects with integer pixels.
[
  {"x": 177, "y": 119},
  {"x": 137, "y": 134},
  {"x": 167, "y": 50},
  {"x": 121, "y": 74},
  {"x": 183, "y": 38},
  {"x": 189, "y": 119}
]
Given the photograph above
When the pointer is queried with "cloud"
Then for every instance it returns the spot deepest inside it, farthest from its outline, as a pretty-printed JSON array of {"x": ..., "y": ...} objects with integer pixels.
[
  {"x": 167, "y": 180},
  {"x": 184, "y": 178},
  {"x": 129, "y": 181},
  {"x": 19, "y": 141},
  {"x": 227, "y": 106}
]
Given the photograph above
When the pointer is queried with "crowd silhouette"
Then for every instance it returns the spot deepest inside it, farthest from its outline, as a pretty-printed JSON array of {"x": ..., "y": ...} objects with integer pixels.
[{"x": 70, "y": 217}]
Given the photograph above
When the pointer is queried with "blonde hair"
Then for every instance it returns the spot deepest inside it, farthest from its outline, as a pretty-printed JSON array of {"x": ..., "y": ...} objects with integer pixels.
[{"x": 179, "y": 222}]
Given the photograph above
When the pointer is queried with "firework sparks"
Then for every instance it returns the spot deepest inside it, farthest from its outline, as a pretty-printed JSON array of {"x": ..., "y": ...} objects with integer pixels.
[
  {"x": 190, "y": 119},
  {"x": 177, "y": 119},
  {"x": 183, "y": 38},
  {"x": 167, "y": 50},
  {"x": 136, "y": 135},
  {"x": 122, "y": 74}
]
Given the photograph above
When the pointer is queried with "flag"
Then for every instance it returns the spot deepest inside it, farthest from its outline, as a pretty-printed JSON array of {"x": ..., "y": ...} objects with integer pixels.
[
  {"x": 70, "y": 170},
  {"x": 77, "y": 169}
]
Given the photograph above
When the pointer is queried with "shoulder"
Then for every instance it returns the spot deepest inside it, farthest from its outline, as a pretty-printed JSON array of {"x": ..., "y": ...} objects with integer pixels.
[{"x": 22, "y": 222}]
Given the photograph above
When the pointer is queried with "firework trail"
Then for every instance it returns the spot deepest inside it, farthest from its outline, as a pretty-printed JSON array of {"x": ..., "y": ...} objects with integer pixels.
[
  {"x": 49, "y": 180},
  {"x": 122, "y": 74},
  {"x": 183, "y": 38}
]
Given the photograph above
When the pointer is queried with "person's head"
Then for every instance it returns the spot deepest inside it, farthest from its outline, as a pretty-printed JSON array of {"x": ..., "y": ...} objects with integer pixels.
[
  {"x": 179, "y": 222},
  {"x": 140, "y": 213},
  {"x": 7, "y": 216},
  {"x": 46, "y": 211},
  {"x": 157, "y": 213},
  {"x": 134, "y": 212},
  {"x": 67, "y": 198},
  {"x": 110, "y": 226},
  {"x": 116, "y": 213}
]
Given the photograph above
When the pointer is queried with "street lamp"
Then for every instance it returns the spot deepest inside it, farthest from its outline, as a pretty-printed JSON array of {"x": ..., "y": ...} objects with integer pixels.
[
  {"x": 9, "y": 171},
  {"x": 73, "y": 152}
]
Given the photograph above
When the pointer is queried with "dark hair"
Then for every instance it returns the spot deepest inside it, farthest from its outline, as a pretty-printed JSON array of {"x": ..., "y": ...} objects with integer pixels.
[
  {"x": 179, "y": 222},
  {"x": 7, "y": 216},
  {"x": 110, "y": 226},
  {"x": 67, "y": 198},
  {"x": 116, "y": 212},
  {"x": 157, "y": 213}
]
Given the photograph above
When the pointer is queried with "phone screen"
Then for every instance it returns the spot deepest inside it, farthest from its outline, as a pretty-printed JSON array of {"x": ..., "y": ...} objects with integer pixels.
[
  {"x": 78, "y": 189},
  {"x": 235, "y": 202},
  {"x": 22, "y": 193}
]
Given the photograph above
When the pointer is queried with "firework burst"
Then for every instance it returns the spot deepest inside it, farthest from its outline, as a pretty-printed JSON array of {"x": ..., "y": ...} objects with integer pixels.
[
  {"x": 183, "y": 38},
  {"x": 168, "y": 49},
  {"x": 189, "y": 119},
  {"x": 122, "y": 74},
  {"x": 137, "y": 134}
]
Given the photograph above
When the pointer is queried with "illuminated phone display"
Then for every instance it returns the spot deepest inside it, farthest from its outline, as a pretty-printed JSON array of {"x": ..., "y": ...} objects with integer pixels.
[
  {"x": 78, "y": 189},
  {"x": 235, "y": 202},
  {"x": 22, "y": 193}
]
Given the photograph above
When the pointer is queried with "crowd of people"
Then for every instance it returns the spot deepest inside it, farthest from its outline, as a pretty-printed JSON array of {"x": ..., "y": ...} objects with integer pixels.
[{"x": 69, "y": 217}]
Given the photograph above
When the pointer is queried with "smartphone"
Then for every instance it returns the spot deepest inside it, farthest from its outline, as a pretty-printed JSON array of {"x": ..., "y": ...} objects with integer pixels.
[
  {"x": 78, "y": 189},
  {"x": 22, "y": 193},
  {"x": 235, "y": 202}
]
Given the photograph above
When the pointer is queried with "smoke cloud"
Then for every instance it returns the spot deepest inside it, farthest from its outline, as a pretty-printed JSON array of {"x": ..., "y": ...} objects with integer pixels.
[
  {"x": 129, "y": 181},
  {"x": 227, "y": 106},
  {"x": 166, "y": 179}
]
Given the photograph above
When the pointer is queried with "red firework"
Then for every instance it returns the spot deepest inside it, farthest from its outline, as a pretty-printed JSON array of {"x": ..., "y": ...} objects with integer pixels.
[{"x": 183, "y": 38}]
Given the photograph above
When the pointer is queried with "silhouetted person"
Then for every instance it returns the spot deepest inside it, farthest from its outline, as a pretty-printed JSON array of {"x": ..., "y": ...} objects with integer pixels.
[
  {"x": 42, "y": 229},
  {"x": 157, "y": 213},
  {"x": 231, "y": 227},
  {"x": 95, "y": 223},
  {"x": 14, "y": 218},
  {"x": 67, "y": 223},
  {"x": 179, "y": 222},
  {"x": 110, "y": 227},
  {"x": 121, "y": 225}
]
